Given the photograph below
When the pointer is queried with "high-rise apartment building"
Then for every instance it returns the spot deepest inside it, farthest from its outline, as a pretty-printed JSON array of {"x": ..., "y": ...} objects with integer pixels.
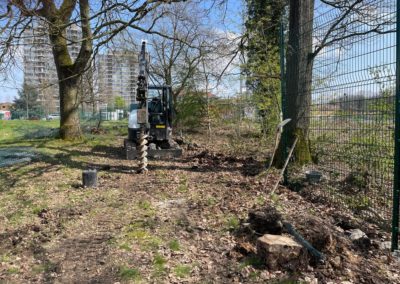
[
  {"x": 39, "y": 68},
  {"x": 117, "y": 73}
]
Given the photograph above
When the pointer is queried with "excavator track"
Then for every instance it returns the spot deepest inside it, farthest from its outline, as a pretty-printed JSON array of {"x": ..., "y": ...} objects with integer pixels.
[{"x": 133, "y": 154}]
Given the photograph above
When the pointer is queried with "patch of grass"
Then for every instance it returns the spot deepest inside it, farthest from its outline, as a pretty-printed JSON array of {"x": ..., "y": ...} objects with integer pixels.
[
  {"x": 16, "y": 130},
  {"x": 137, "y": 234},
  {"x": 16, "y": 217},
  {"x": 37, "y": 209},
  {"x": 183, "y": 185},
  {"x": 146, "y": 208},
  {"x": 112, "y": 241},
  {"x": 125, "y": 246},
  {"x": 211, "y": 201},
  {"x": 182, "y": 271},
  {"x": 159, "y": 264},
  {"x": 274, "y": 198},
  {"x": 152, "y": 244},
  {"x": 232, "y": 223},
  {"x": 254, "y": 261},
  {"x": 174, "y": 245},
  {"x": 13, "y": 270},
  {"x": 5, "y": 258},
  {"x": 260, "y": 200},
  {"x": 144, "y": 224},
  {"x": 145, "y": 205},
  {"x": 143, "y": 238},
  {"x": 127, "y": 273}
]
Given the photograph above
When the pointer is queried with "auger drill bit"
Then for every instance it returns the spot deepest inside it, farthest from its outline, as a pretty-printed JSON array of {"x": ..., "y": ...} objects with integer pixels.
[
  {"x": 142, "y": 151},
  {"x": 142, "y": 91}
]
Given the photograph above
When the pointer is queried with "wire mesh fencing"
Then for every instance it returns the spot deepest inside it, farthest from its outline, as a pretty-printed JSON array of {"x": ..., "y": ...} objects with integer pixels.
[{"x": 351, "y": 111}]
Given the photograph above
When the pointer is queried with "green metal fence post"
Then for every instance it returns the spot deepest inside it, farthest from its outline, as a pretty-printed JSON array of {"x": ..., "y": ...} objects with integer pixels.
[
  {"x": 283, "y": 91},
  {"x": 396, "y": 181}
]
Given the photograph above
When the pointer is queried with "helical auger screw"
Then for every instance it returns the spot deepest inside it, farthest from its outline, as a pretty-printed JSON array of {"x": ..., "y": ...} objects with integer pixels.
[{"x": 142, "y": 152}]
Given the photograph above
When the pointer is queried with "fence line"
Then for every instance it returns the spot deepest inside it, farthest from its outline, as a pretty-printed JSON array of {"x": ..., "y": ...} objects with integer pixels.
[{"x": 352, "y": 113}]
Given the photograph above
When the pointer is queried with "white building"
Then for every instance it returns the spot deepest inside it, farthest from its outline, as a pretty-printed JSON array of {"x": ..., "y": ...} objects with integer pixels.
[
  {"x": 39, "y": 68},
  {"x": 117, "y": 73}
]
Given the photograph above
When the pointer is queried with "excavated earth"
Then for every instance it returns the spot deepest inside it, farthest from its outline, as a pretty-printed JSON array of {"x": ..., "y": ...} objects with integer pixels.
[{"x": 185, "y": 221}]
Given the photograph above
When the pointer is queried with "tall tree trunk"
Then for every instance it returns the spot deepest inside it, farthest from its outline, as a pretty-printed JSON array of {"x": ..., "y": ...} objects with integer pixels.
[
  {"x": 68, "y": 83},
  {"x": 69, "y": 102},
  {"x": 299, "y": 80},
  {"x": 68, "y": 71}
]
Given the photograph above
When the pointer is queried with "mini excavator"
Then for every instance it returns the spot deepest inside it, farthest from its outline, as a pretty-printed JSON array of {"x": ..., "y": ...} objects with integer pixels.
[{"x": 150, "y": 119}]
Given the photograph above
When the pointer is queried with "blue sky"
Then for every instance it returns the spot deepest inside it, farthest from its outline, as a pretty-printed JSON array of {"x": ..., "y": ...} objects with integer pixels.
[
  {"x": 10, "y": 84},
  {"x": 351, "y": 67}
]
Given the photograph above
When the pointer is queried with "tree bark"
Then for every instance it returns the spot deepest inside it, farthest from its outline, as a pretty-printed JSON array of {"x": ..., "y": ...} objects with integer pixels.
[
  {"x": 68, "y": 86},
  {"x": 68, "y": 71},
  {"x": 69, "y": 103},
  {"x": 299, "y": 68}
]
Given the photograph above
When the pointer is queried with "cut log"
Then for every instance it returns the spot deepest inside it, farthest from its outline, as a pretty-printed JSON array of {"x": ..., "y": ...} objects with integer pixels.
[{"x": 281, "y": 252}]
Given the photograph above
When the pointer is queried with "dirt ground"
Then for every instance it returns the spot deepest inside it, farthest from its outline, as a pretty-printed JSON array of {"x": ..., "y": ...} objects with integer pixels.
[{"x": 183, "y": 222}]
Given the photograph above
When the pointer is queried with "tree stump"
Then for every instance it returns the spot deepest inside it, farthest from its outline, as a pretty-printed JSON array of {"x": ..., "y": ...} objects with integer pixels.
[{"x": 281, "y": 252}]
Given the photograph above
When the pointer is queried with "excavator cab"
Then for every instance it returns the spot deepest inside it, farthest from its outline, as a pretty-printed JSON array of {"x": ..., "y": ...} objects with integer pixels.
[{"x": 159, "y": 126}]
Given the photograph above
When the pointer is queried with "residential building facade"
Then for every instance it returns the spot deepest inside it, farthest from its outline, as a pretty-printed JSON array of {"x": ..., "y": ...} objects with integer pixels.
[
  {"x": 39, "y": 68},
  {"x": 117, "y": 73},
  {"x": 114, "y": 73}
]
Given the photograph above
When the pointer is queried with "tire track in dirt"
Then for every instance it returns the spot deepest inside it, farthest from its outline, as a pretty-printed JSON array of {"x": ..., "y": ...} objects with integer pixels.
[{"x": 83, "y": 257}]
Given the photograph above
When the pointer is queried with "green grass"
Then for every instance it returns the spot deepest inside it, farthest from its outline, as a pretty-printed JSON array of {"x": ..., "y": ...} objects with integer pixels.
[
  {"x": 14, "y": 130},
  {"x": 232, "y": 223},
  {"x": 251, "y": 261},
  {"x": 13, "y": 270},
  {"x": 145, "y": 240},
  {"x": 174, "y": 245},
  {"x": 211, "y": 201},
  {"x": 127, "y": 273},
  {"x": 159, "y": 264},
  {"x": 18, "y": 132},
  {"x": 183, "y": 185},
  {"x": 145, "y": 205},
  {"x": 182, "y": 271}
]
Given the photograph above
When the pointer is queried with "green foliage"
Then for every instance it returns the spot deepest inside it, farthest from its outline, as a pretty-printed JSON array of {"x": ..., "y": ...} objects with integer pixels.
[
  {"x": 144, "y": 205},
  {"x": 26, "y": 104},
  {"x": 159, "y": 264},
  {"x": 384, "y": 102},
  {"x": 191, "y": 110},
  {"x": 183, "y": 184},
  {"x": 182, "y": 271},
  {"x": 13, "y": 270},
  {"x": 174, "y": 245},
  {"x": 127, "y": 273},
  {"x": 262, "y": 67},
  {"x": 232, "y": 223},
  {"x": 119, "y": 102}
]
